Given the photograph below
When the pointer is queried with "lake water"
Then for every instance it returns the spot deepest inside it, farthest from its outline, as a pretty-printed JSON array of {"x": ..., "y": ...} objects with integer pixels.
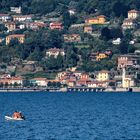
[{"x": 73, "y": 116}]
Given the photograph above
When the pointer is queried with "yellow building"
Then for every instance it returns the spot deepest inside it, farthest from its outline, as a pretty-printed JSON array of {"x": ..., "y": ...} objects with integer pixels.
[
  {"x": 103, "y": 76},
  {"x": 20, "y": 37},
  {"x": 101, "y": 56},
  {"x": 88, "y": 29},
  {"x": 96, "y": 20},
  {"x": 101, "y": 19},
  {"x": 127, "y": 82}
]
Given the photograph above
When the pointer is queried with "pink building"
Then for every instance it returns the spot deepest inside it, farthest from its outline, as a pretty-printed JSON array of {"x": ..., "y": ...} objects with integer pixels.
[{"x": 128, "y": 60}]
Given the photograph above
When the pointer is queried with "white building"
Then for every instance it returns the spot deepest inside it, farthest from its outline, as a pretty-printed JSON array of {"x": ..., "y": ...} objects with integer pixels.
[
  {"x": 39, "y": 81},
  {"x": 133, "y": 14},
  {"x": 117, "y": 41},
  {"x": 16, "y": 10},
  {"x": 55, "y": 52}
]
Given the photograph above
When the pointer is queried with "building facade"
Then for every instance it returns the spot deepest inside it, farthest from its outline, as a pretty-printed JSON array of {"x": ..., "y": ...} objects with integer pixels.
[{"x": 20, "y": 37}]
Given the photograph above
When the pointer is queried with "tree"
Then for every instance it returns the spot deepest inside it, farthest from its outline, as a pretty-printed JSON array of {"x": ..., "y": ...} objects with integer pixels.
[
  {"x": 105, "y": 33},
  {"x": 71, "y": 58},
  {"x": 66, "y": 19},
  {"x": 36, "y": 55},
  {"x": 120, "y": 8},
  {"x": 123, "y": 47},
  {"x": 3, "y": 28},
  {"x": 54, "y": 39}
]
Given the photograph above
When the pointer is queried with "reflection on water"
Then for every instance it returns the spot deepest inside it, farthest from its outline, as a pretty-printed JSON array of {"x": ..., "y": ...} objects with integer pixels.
[{"x": 81, "y": 116}]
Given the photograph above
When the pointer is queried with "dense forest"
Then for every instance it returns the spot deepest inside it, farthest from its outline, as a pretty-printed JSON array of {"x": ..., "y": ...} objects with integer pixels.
[
  {"x": 37, "y": 42},
  {"x": 106, "y": 7}
]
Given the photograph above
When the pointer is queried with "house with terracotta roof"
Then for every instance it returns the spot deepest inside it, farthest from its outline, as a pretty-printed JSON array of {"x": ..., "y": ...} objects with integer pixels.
[
  {"x": 56, "y": 26},
  {"x": 55, "y": 52},
  {"x": 35, "y": 25},
  {"x": 128, "y": 24},
  {"x": 21, "y": 18},
  {"x": 20, "y": 37},
  {"x": 133, "y": 14},
  {"x": 128, "y": 60},
  {"x": 102, "y": 76},
  {"x": 11, "y": 80},
  {"x": 96, "y": 20}
]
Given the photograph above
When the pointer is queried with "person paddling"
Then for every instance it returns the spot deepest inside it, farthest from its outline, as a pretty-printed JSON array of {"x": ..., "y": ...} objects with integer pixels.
[{"x": 17, "y": 115}]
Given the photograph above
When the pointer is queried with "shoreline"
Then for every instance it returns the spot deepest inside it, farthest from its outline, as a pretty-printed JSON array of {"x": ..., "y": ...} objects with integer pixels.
[{"x": 75, "y": 89}]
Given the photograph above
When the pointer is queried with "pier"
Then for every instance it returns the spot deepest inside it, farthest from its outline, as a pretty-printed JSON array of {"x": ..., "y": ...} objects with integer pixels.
[{"x": 85, "y": 89}]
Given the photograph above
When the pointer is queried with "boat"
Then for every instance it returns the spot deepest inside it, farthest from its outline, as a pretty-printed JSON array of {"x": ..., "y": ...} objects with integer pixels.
[{"x": 11, "y": 118}]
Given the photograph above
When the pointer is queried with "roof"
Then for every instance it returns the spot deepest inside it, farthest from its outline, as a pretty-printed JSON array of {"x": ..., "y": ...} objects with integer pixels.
[
  {"x": 101, "y": 16},
  {"x": 9, "y": 23},
  {"x": 65, "y": 35},
  {"x": 133, "y": 11},
  {"x": 56, "y": 24},
  {"x": 4, "y": 15},
  {"x": 16, "y": 35},
  {"x": 129, "y": 55},
  {"x": 128, "y": 20},
  {"x": 104, "y": 71},
  {"x": 54, "y": 50},
  {"x": 40, "y": 79},
  {"x": 16, "y": 78},
  {"x": 21, "y": 16}
]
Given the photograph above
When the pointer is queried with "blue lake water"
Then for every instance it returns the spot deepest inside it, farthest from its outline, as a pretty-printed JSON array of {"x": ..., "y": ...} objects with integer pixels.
[{"x": 73, "y": 116}]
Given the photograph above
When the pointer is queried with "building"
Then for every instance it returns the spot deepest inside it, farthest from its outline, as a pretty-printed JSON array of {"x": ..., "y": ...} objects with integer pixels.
[
  {"x": 84, "y": 76},
  {"x": 103, "y": 76},
  {"x": 72, "y": 12},
  {"x": 39, "y": 82},
  {"x": 35, "y": 25},
  {"x": 133, "y": 14},
  {"x": 21, "y": 18},
  {"x": 5, "y": 17},
  {"x": 88, "y": 29},
  {"x": 60, "y": 75},
  {"x": 97, "y": 84},
  {"x": 128, "y": 61},
  {"x": 127, "y": 82},
  {"x": 128, "y": 24},
  {"x": 96, "y": 20},
  {"x": 116, "y": 41},
  {"x": 55, "y": 52},
  {"x": 16, "y": 10},
  {"x": 72, "y": 38},
  {"x": 71, "y": 82},
  {"x": 11, "y": 81},
  {"x": 101, "y": 56},
  {"x": 11, "y": 26},
  {"x": 56, "y": 25},
  {"x": 20, "y": 37}
]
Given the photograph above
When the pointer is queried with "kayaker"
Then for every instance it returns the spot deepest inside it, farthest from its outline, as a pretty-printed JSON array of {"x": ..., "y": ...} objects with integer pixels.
[{"x": 17, "y": 115}]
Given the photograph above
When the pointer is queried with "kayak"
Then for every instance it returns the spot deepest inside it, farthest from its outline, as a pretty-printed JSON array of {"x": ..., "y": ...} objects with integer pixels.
[{"x": 11, "y": 118}]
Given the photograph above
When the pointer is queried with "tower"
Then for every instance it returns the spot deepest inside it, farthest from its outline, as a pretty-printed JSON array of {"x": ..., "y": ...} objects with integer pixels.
[{"x": 123, "y": 77}]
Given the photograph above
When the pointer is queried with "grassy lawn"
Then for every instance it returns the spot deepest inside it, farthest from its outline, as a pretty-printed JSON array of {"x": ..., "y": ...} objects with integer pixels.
[
  {"x": 82, "y": 46},
  {"x": 41, "y": 74}
]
